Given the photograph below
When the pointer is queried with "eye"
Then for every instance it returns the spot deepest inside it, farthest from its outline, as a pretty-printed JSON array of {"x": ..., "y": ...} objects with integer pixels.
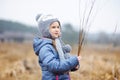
[
  {"x": 58, "y": 26},
  {"x": 53, "y": 27}
]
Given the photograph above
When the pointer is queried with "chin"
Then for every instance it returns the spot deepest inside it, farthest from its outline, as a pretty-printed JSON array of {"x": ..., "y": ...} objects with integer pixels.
[{"x": 56, "y": 36}]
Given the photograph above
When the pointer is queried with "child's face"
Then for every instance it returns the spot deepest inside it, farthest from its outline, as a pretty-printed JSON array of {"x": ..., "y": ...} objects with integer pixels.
[{"x": 54, "y": 30}]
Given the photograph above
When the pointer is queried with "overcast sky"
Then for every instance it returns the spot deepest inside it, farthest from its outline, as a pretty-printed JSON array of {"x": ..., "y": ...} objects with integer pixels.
[{"x": 67, "y": 11}]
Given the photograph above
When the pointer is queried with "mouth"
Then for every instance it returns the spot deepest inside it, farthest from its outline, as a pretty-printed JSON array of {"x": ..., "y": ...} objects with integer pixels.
[{"x": 56, "y": 33}]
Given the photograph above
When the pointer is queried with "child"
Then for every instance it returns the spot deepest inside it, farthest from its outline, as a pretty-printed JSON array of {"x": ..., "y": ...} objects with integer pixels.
[{"x": 54, "y": 57}]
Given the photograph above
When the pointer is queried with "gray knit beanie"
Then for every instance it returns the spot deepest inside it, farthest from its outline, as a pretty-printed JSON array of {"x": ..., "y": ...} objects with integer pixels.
[{"x": 44, "y": 22}]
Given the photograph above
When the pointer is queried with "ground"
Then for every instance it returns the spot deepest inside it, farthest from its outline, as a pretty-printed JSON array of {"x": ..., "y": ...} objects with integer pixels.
[{"x": 99, "y": 62}]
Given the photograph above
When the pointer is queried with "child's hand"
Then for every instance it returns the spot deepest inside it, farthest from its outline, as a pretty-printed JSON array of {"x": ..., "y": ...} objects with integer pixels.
[{"x": 79, "y": 58}]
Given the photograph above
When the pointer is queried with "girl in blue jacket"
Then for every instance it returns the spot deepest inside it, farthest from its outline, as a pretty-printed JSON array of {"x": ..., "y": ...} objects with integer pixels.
[{"x": 54, "y": 57}]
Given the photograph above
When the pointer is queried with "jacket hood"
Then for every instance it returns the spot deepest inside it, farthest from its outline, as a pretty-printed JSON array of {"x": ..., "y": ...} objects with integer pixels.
[{"x": 38, "y": 43}]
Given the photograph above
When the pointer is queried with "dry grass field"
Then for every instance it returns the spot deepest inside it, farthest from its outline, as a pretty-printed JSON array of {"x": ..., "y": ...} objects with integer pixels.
[{"x": 99, "y": 62}]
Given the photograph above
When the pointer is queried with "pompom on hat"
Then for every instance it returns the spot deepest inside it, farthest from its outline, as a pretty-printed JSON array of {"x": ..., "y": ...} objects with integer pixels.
[{"x": 44, "y": 22}]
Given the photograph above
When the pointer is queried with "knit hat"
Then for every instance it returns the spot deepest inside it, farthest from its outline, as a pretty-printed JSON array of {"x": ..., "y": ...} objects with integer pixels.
[{"x": 44, "y": 22}]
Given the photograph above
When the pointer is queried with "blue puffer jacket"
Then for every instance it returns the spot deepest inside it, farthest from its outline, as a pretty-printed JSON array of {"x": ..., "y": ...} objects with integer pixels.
[{"x": 50, "y": 62}]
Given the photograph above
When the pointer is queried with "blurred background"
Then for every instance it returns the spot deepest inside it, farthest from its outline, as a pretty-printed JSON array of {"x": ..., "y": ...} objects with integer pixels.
[{"x": 99, "y": 20}]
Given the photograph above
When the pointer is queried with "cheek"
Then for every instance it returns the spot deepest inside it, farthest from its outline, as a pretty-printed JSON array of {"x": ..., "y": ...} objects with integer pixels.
[
  {"x": 50, "y": 31},
  {"x": 60, "y": 33}
]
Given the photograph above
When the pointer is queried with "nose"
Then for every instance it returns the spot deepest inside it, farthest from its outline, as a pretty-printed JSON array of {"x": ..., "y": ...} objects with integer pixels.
[{"x": 57, "y": 29}]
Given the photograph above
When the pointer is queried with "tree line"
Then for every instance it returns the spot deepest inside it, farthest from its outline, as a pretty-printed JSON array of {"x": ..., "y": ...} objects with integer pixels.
[{"x": 69, "y": 34}]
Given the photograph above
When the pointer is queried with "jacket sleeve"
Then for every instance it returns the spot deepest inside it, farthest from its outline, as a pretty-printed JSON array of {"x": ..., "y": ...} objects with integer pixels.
[
  {"x": 55, "y": 65},
  {"x": 68, "y": 55}
]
